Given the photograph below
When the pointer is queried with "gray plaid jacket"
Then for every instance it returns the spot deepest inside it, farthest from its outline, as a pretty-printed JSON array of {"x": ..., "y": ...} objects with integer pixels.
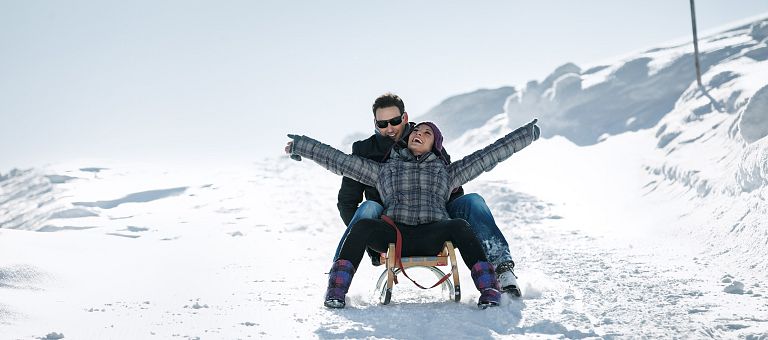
[{"x": 415, "y": 190}]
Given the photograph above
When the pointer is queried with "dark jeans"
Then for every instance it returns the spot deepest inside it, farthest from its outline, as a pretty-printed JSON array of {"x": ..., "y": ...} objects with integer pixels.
[
  {"x": 470, "y": 207},
  {"x": 422, "y": 239}
]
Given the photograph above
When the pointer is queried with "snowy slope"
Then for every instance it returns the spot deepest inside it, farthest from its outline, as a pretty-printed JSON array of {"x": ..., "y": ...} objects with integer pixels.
[
  {"x": 242, "y": 252},
  {"x": 707, "y": 150},
  {"x": 648, "y": 224}
]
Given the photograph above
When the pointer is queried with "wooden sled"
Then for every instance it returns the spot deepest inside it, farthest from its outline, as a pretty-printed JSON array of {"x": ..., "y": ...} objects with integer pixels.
[{"x": 388, "y": 278}]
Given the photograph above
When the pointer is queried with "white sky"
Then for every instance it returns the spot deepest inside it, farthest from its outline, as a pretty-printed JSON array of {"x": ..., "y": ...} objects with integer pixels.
[{"x": 174, "y": 79}]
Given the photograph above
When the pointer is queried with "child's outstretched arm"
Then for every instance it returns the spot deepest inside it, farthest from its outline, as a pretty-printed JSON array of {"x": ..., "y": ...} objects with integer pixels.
[
  {"x": 358, "y": 168},
  {"x": 471, "y": 166}
]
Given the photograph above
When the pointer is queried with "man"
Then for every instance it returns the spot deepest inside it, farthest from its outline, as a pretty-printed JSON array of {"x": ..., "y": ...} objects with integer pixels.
[{"x": 392, "y": 126}]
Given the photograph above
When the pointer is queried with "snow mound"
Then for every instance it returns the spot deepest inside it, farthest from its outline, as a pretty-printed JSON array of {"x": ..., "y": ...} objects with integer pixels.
[
  {"x": 754, "y": 121},
  {"x": 53, "y": 336},
  {"x": 759, "y": 30},
  {"x": 753, "y": 168},
  {"x": 20, "y": 276},
  {"x": 708, "y": 144},
  {"x": 27, "y": 198},
  {"x": 735, "y": 287}
]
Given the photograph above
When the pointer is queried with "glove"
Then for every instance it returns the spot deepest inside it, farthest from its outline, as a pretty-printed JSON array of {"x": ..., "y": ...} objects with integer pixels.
[
  {"x": 536, "y": 131},
  {"x": 295, "y": 138}
]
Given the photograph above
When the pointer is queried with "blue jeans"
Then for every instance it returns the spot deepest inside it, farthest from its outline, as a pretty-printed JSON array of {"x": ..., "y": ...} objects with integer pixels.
[
  {"x": 368, "y": 209},
  {"x": 472, "y": 208}
]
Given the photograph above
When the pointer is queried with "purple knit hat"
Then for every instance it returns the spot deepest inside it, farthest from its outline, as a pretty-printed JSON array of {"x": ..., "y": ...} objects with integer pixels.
[{"x": 438, "y": 146}]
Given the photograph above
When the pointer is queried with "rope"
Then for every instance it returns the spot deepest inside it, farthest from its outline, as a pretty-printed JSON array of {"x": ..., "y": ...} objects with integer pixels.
[{"x": 398, "y": 252}]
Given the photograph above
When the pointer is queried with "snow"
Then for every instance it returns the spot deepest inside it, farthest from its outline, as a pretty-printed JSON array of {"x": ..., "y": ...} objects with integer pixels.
[{"x": 647, "y": 223}]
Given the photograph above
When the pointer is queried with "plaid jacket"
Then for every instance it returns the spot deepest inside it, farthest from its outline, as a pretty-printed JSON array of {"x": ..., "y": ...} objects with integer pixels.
[{"x": 414, "y": 190}]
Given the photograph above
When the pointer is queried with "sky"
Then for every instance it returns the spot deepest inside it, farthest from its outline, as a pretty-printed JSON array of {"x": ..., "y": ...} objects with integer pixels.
[{"x": 174, "y": 80}]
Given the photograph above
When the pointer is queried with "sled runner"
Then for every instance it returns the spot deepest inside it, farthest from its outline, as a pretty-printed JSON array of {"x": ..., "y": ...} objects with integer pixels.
[{"x": 388, "y": 278}]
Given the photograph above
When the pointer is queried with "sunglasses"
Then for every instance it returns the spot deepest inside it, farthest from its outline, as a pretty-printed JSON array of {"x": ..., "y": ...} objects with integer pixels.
[{"x": 394, "y": 121}]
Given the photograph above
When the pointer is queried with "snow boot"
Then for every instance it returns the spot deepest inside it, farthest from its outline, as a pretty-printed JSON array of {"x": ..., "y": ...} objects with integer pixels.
[
  {"x": 339, "y": 280},
  {"x": 485, "y": 281},
  {"x": 508, "y": 279}
]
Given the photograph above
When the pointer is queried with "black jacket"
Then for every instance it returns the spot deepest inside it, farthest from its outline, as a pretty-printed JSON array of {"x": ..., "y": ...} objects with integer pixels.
[{"x": 377, "y": 148}]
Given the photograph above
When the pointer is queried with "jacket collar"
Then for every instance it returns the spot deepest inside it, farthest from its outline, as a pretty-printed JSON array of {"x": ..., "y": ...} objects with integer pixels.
[{"x": 406, "y": 155}]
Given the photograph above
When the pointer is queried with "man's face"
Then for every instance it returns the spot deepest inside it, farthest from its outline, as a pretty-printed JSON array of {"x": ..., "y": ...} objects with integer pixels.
[
  {"x": 385, "y": 114},
  {"x": 421, "y": 140}
]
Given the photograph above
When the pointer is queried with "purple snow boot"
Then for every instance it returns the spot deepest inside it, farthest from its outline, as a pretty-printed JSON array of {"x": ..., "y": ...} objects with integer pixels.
[
  {"x": 339, "y": 280},
  {"x": 485, "y": 281}
]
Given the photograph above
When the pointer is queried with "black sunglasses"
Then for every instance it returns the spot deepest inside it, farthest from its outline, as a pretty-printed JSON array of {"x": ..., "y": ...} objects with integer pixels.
[{"x": 394, "y": 121}]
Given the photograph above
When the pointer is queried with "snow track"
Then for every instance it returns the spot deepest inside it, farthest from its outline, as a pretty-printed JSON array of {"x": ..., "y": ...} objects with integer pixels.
[{"x": 243, "y": 253}]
